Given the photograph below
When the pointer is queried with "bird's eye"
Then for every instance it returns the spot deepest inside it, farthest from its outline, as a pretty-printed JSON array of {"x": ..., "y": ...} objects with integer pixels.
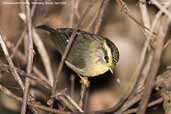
[{"x": 106, "y": 58}]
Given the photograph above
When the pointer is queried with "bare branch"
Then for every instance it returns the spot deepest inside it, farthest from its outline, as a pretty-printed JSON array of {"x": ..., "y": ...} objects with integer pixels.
[
  {"x": 101, "y": 13},
  {"x": 11, "y": 64},
  {"x": 72, "y": 37},
  {"x": 125, "y": 9},
  {"x": 23, "y": 60},
  {"x": 152, "y": 103},
  {"x": 163, "y": 9},
  {"x": 44, "y": 55},
  {"x": 30, "y": 56},
  {"x": 6, "y": 68},
  {"x": 146, "y": 69},
  {"x": 75, "y": 13},
  {"x": 167, "y": 44},
  {"x": 68, "y": 100},
  {"x": 35, "y": 105},
  {"x": 153, "y": 71}
]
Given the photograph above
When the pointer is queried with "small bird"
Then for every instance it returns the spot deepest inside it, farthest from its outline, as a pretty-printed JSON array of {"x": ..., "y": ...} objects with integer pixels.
[{"x": 90, "y": 55}]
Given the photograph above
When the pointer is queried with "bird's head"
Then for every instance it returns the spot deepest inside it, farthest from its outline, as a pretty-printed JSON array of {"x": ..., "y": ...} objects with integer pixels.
[{"x": 110, "y": 54}]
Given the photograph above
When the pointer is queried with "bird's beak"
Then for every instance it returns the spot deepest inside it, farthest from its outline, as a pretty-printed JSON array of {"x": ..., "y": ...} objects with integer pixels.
[
  {"x": 111, "y": 70},
  {"x": 117, "y": 78}
]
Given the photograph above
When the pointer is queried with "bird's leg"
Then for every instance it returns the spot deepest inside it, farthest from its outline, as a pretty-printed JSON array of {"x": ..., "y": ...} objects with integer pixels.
[{"x": 84, "y": 91}]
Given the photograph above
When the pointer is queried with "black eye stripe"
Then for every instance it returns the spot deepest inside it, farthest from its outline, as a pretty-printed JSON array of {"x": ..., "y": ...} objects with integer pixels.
[{"x": 114, "y": 51}]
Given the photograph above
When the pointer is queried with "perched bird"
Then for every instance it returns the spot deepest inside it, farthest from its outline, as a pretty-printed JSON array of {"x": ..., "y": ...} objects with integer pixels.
[{"x": 90, "y": 55}]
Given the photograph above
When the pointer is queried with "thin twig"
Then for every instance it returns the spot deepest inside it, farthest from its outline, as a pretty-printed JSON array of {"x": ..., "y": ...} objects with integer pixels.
[
  {"x": 11, "y": 64},
  {"x": 146, "y": 22},
  {"x": 18, "y": 43},
  {"x": 153, "y": 71},
  {"x": 72, "y": 16},
  {"x": 68, "y": 101},
  {"x": 92, "y": 23},
  {"x": 144, "y": 51},
  {"x": 38, "y": 106},
  {"x": 125, "y": 9},
  {"x": 25, "y": 29},
  {"x": 72, "y": 37},
  {"x": 23, "y": 60},
  {"x": 146, "y": 69},
  {"x": 100, "y": 17},
  {"x": 23, "y": 73},
  {"x": 163, "y": 83},
  {"x": 167, "y": 44},
  {"x": 129, "y": 103},
  {"x": 163, "y": 9},
  {"x": 134, "y": 99},
  {"x": 74, "y": 103},
  {"x": 151, "y": 104},
  {"x": 145, "y": 16},
  {"x": 44, "y": 55},
  {"x": 138, "y": 69},
  {"x": 30, "y": 56},
  {"x": 75, "y": 13}
]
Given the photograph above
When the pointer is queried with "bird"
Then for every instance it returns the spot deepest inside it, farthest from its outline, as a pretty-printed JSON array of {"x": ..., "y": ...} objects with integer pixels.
[{"x": 90, "y": 54}]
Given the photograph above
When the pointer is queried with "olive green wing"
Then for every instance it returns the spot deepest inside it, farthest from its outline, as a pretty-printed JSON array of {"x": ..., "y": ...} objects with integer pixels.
[
  {"x": 58, "y": 38},
  {"x": 79, "y": 51}
]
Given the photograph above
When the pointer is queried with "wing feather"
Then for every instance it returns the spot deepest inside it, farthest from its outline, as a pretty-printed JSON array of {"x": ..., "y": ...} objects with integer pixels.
[{"x": 80, "y": 48}]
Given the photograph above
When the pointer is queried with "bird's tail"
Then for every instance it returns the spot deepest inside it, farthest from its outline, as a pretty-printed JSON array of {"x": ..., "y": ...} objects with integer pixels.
[
  {"x": 56, "y": 37},
  {"x": 46, "y": 28}
]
